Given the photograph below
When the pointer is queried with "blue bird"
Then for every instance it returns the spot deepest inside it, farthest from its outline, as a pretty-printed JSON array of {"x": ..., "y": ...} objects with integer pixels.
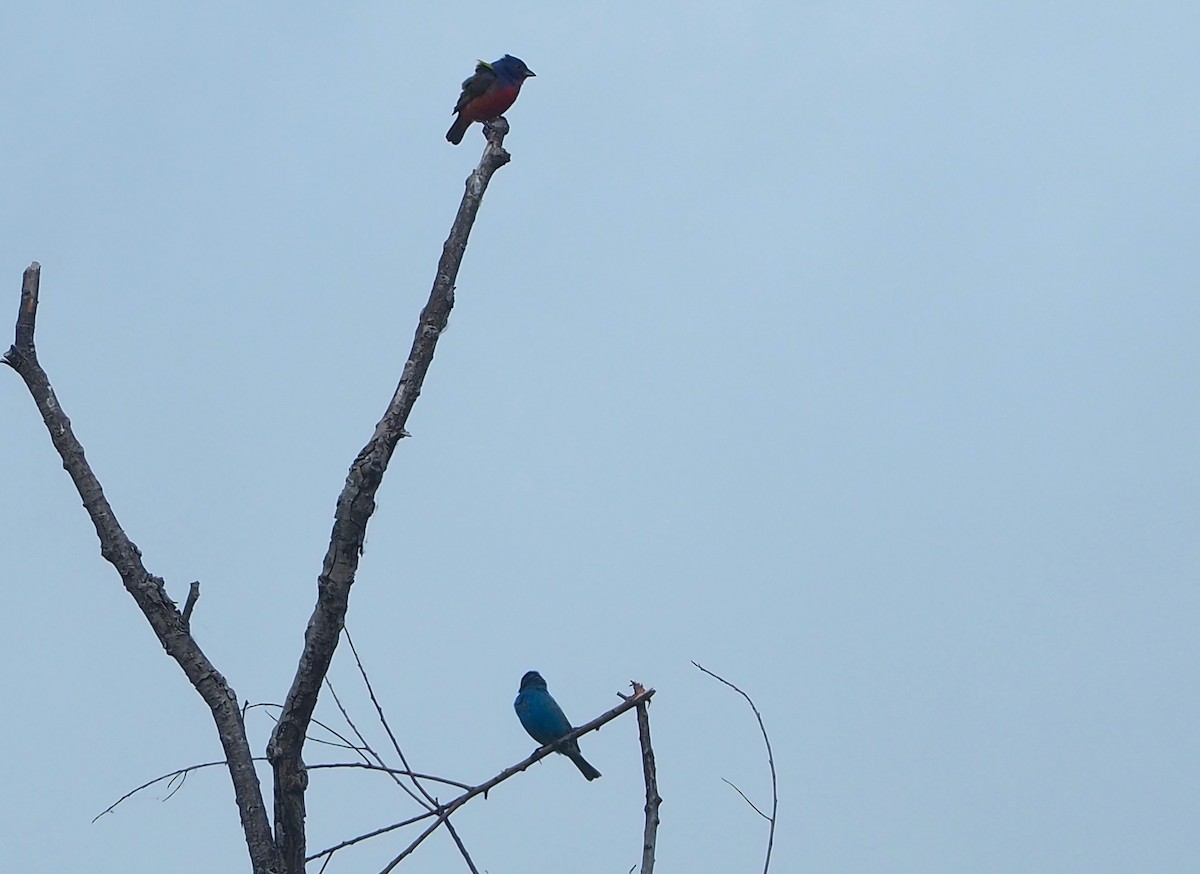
[{"x": 545, "y": 721}]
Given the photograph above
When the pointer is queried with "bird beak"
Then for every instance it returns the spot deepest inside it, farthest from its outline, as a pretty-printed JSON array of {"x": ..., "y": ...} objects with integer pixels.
[{"x": 530, "y": 72}]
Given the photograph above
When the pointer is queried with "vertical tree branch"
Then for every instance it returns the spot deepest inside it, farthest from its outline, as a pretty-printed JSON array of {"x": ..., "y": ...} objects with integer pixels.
[
  {"x": 355, "y": 506},
  {"x": 650, "y": 775},
  {"x": 147, "y": 590}
]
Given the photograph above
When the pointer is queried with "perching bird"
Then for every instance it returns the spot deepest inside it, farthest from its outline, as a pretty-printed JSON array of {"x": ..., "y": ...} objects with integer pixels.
[
  {"x": 545, "y": 721},
  {"x": 488, "y": 93}
]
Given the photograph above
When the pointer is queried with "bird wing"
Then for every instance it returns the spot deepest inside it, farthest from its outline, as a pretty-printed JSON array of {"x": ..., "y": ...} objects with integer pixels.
[{"x": 476, "y": 85}]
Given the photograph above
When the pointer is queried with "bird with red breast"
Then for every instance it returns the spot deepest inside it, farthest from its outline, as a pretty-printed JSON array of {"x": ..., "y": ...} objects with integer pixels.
[{"x": 488, "y": 93}]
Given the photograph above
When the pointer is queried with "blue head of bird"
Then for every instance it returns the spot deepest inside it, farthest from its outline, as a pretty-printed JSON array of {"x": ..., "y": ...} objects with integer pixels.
[
  {"x": 532, "y": 680},
  {"x": 512, "y": 68}
]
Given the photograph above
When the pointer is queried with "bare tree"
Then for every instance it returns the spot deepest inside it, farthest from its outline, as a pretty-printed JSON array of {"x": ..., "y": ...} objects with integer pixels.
[{"x": 281, "y": 849}]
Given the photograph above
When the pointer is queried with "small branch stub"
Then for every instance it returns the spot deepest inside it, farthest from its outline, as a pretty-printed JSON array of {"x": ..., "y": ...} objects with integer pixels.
[
  {"x": 22, "y": 347},
  {"x": 190, "y": 604}
]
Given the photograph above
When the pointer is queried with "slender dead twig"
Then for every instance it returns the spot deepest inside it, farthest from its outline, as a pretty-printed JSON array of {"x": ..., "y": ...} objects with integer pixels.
[
  {"x": 362, "y": 671},
  {"x": 355, "y": 506},
  {"x": 346, "y": 743},
  {"x": 174, "y": 785},
  {"x": 367, "y": 766},
  {"x": 430, "y": 801},
  {"x": 171, "y": 776},
  {"x": 147, "y": 590},
  {"x": 770, "y": 761},
  {"x": 745, "y": 798},
  {"x": 366, "y": 750},
  {"x": 400, "y": 772},
  {"x": 462, "y": 848}
]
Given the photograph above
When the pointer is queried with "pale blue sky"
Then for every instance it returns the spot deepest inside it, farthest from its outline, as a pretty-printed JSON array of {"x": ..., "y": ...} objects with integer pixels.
[{"x": 847, "y": 348}]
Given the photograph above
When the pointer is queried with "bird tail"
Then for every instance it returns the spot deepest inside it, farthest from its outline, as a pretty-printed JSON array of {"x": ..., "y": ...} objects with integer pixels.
[
  {"x": 458, "y": 130},
  {"x": 583, "y": 764}
]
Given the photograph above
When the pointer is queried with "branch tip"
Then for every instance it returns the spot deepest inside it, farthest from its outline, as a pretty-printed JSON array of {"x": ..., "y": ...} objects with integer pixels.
[{"x": 22, "y": 347}]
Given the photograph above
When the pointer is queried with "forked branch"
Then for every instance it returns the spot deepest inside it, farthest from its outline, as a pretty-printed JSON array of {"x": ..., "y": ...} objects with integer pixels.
[{"x": 770, "y": 761}]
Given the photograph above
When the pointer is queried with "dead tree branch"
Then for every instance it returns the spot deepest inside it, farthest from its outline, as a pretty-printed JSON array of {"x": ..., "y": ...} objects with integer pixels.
[
  {"x": 366, "y": 766},
  {"x": 148, "y": 591},
  {"x": 650, "y": 776}
]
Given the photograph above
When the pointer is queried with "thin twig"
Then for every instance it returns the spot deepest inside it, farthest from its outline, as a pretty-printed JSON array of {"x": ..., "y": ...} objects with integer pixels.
[
  {"x": 171, "y": 776},
  {"x": 175, "y": 784},
  {"x": 431, "y": 801},
  {"x": 379, "y": 712},
  {"x": 735, "y": 788},
  {"x": 367, "y": 766},
  {"x": 770, "y": 760},
  {"x": 383, "y": 769},
  {"x": 462, "y": 848},
  {"x": 366, "y": 747},
  {"x": 346, "y": 743}
]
